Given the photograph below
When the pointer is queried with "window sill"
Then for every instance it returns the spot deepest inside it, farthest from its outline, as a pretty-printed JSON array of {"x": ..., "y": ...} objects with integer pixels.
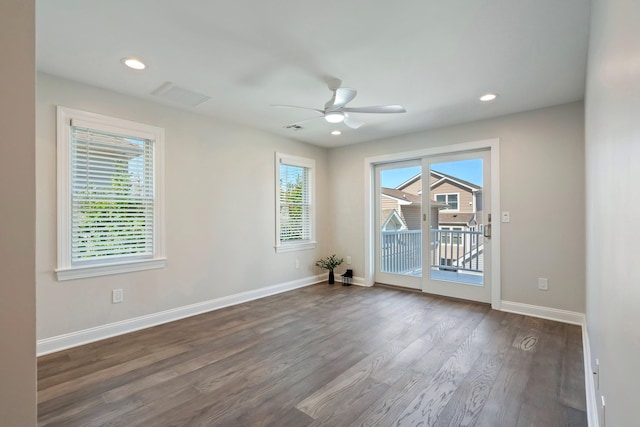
[
  {"x": 295, "y": 247},
  {"x": 104, "y": 270}
]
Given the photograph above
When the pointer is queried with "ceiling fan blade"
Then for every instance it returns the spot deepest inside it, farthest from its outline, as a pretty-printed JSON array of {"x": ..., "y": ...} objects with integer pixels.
[
  {"x": 343, "y": 96},
  {"x": 377, "y": 109},
  {"x": 351, "y": 122},
  {"x": 295, "y": 106},
  {"x": 340, "y": 98}
]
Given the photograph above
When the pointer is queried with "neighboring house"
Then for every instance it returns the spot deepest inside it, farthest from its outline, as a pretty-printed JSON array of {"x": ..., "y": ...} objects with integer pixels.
[
  {"x": 401, "y": 207},
  {"x": 456, "y": 205}
]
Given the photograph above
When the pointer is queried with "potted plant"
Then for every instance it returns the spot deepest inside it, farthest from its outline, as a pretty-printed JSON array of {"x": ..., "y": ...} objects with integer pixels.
[{"x": 329, "y": 263}]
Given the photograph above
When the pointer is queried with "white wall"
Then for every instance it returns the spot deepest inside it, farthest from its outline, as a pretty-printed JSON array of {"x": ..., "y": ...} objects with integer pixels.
[
  {"x": 219, "y": 214},
  {"x": 542, "y": 185},
  {"x": 17, "y": 214},
  {"x": 613, "y": 204}
]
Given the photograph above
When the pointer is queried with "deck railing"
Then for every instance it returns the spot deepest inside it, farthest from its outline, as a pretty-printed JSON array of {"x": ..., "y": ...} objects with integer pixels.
[
  {"x": 457, "y": 250},
  {"x": 452, "y": 250},
  {"x": 401, "y": 251}
]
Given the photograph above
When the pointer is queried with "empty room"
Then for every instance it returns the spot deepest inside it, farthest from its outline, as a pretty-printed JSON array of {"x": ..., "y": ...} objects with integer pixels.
[{"x": 320, "y": 214}]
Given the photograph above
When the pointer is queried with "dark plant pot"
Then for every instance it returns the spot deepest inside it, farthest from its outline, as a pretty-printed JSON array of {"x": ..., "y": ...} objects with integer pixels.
[{"x": 332, "y": 279}]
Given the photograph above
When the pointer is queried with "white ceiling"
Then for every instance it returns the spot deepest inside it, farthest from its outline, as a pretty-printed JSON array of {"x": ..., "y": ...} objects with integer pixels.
[{"x": 435, "y": 57}]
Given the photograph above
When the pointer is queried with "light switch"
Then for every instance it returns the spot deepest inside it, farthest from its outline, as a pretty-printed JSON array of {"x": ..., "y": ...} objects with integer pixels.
[{"x": 506, "y": 216}]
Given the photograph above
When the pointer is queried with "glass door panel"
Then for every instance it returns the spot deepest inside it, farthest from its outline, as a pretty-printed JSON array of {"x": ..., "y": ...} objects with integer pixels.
[
  {"x": 457, "y": 227},
  {"x": 399, "y": 254}
]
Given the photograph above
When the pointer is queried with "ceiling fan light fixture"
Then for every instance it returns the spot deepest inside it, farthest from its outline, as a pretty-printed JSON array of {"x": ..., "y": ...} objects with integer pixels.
[
  {"x": 334, "y": 117},
  {"x": 134, "y": 63},
  {"x": 488, "y": 97}
]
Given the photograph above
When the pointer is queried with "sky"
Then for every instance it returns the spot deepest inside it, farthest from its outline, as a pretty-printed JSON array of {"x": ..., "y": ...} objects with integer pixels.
[{"x": 469, "y": 170}]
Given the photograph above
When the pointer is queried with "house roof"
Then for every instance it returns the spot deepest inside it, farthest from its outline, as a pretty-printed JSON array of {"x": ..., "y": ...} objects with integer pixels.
[
  {"x": 409, "y": 181},
  {"x": 455, "y": 179},
  {"x": 441, "y": 176},
  {"x": 401, "y": 195}
]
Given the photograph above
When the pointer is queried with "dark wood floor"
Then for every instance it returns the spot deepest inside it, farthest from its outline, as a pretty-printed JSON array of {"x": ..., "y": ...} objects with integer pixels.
[{"x": 325, "y": 355}]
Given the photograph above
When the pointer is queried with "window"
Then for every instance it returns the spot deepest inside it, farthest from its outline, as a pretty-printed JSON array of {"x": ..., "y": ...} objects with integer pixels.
[
  {"x": 449, "y": 199},
  {"x": 109, "y": 195},
  {"x": 295, "y": 211}
]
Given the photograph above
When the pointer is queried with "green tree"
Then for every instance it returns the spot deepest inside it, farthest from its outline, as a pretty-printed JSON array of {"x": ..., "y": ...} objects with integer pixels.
[
  {"x": 110, "y": 221},
  {"x": 292, "y": 208}
]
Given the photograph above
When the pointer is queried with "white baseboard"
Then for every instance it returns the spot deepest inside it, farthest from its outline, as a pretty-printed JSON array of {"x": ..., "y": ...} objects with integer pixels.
[
  {"x": 563, "y": 316},
  {"x": 593, "y": 420},
  {"x": 573, "y": 318},
  {"x": 74, "y": 339},
  {"x": 354, "y": 281}
]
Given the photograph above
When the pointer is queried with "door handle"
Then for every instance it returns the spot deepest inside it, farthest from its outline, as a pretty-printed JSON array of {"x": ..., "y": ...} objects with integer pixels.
[{"x": 487, "y": 231}]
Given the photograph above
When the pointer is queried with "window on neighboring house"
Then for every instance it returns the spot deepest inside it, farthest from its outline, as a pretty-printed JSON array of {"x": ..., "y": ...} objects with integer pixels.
[
  {"x": 449, "y": 199},
  {"x": 110, "y": 208},
  {"x": 295, "y": 211}
]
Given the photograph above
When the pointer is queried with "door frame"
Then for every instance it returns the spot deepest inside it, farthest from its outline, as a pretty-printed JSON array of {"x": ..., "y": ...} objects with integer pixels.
[{"x": 369, "y": 202}]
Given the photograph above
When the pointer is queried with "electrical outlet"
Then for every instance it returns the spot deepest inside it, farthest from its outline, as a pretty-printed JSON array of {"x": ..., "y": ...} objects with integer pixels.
[
  {"x": 297, "y": 263},
  {"x": 117, "y": 296},
  {"x": 543, "y": 283},
  {"x": 348, "y": 260}
]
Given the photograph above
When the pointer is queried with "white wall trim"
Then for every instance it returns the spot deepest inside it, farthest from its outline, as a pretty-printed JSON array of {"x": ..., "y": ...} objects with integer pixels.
[
  {"x": 359, "y": 281},
  {"x": 593, "y": 420},
  {"x": 74, "y": 339},
  {"x": 558, "y": 315}
]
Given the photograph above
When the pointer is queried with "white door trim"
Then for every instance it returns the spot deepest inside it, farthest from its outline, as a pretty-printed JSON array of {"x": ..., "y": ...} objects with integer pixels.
[{"x": 369, "y": 199}]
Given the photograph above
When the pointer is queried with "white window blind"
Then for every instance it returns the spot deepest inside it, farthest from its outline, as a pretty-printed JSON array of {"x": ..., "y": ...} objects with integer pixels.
[
  {"x": 112, "y": 196},
  {"x": 295, "y": 203}
]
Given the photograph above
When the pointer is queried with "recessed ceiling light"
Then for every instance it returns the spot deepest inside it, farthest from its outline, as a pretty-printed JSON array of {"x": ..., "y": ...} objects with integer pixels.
[
  {"x": 336, "y": 132},
  {"x": 134, "y": 63},
  {"x": 334, "y": 117},
  {"x": 488, "y": 97}
]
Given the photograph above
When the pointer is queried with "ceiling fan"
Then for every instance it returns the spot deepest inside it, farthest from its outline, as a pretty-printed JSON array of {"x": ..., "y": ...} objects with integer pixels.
[{"x": 336, "y": 111}]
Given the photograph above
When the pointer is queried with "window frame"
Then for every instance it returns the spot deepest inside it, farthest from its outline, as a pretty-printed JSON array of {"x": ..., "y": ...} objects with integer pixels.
[
  {"x": 66, "y": 268},
  {"x": 446, "y": 197},
  {"x": 295, "y": 245}
]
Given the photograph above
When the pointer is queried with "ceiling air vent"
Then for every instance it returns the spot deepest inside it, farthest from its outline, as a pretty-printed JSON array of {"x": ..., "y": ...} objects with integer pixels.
[
  {"x": 180, "y": 95},
  {"x": 294, "y": 127}
]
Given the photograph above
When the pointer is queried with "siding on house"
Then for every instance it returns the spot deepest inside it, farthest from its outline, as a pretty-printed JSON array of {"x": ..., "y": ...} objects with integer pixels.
[
  {"x": 414, "y": 187},
  {"x": 411, "y": 215},
  {"x": 388, "y": 203},
  {"x": 387, "y": 206}
]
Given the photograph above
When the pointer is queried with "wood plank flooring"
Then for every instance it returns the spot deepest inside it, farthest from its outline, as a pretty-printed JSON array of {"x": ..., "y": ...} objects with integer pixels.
[{"x": 325, "y": 355}]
